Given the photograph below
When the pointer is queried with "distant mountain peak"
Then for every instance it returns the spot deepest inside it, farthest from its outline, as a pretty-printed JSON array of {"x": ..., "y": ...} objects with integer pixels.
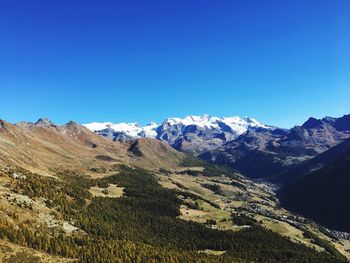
[
  {"x": 340, "y": 124},
  {"x": 44, "y": 122},
  {"x": 312, "y": 123},
  {"x": 72, "y": 123}
]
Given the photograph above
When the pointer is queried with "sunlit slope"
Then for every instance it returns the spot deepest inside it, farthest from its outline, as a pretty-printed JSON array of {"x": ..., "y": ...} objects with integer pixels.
[{"x": 41, "y": 148}]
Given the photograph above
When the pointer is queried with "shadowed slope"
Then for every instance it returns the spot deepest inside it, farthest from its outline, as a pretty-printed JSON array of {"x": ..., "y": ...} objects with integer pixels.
[{"x": 323, "y": 195}]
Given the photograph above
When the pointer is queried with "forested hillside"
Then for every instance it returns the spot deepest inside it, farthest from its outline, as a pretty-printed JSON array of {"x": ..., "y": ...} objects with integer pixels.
[{"x": 140, "y": 226}]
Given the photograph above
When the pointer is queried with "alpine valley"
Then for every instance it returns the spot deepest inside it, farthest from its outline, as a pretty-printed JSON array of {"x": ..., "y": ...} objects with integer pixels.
[{"x": 193, "y": 189}]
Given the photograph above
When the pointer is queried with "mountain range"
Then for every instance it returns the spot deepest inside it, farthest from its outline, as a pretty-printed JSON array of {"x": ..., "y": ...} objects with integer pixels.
[
  {"x": 239, "y": 142},
  {"x": 72, "y": 192},
  {"x": 274, "y": 152},
  {"x": 194, "y": 134},
  {"x": 43, "y": 146}
]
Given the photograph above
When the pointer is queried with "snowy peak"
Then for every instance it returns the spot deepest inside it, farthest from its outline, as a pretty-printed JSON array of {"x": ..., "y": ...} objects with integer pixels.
[
  {"x": 237, "y": 124},
  {"x": 192, "y": 133},
  {"x": 129, "y": 129}
]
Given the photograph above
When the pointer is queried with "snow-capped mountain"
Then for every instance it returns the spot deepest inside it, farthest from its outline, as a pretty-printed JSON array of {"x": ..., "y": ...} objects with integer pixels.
[
  {"x": 237, "y": 125},
  {"x": 192, "y": 133},
  {"x": 273, "y": 152},
  {"x": 132, "y": 130}
]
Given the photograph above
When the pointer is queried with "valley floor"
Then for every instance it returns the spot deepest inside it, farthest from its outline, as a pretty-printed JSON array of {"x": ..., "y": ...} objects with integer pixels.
[{"x": 239, "y": 195}]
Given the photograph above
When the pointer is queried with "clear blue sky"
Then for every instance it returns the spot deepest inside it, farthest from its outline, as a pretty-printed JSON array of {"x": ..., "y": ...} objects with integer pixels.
[{"x": 277, "y": 61}]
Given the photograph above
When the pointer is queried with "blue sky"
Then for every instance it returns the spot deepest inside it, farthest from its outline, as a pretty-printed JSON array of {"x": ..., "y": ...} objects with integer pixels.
[{"x": 277, "y": 61}]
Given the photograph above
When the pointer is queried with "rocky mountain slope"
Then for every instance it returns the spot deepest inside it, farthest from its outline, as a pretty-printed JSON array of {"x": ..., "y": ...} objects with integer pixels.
[
  {"x": 43, "y": 146},
  {"x": 267, "y": 154},
  {"x": 314, "y": 164},
  {"x": 239, "y": 142}
]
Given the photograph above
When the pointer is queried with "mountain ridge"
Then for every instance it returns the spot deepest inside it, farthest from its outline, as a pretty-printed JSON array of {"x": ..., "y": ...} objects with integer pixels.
[
  {"x": 43, "y": 146},
  {"x": 193, "y": 134},
  {"x": 232, "y": 141},
  {"x": 274, "y": 151}
]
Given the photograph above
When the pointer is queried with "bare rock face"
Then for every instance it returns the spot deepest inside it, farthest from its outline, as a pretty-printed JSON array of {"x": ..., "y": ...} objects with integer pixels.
[
  {"x": 114, "y": 135},
  {"x": 135, "y": 149}
]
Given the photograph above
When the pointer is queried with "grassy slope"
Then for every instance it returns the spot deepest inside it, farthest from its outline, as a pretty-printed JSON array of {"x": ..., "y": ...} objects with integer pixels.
[{"x": 255, "y": 200}]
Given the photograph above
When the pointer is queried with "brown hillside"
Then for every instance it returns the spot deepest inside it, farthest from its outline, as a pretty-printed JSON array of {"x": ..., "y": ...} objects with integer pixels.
[{"x": 43, "y": 146}]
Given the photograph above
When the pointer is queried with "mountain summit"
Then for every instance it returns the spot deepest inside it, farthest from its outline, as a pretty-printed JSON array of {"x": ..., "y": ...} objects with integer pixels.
[{"x": 193, "y": 134}]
